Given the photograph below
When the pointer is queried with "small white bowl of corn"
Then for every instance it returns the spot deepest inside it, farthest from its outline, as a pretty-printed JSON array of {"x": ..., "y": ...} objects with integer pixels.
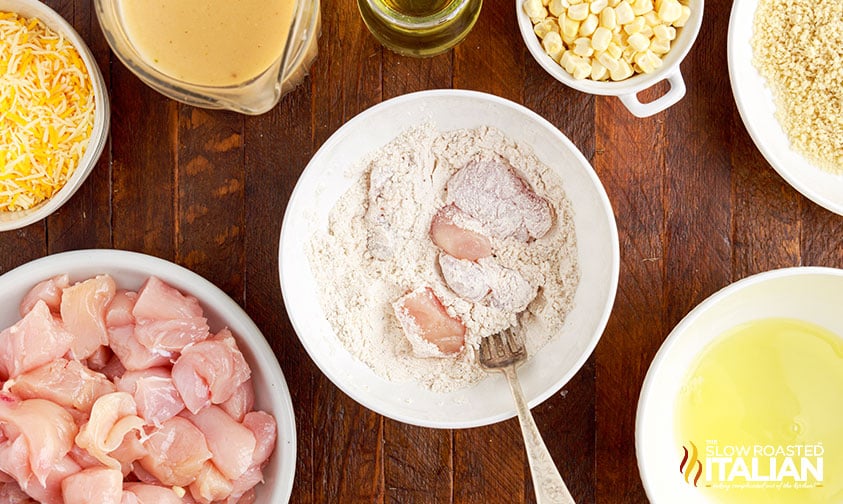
[
  {"x": 613, "y": 47},
  {"x": 54, "y": 112}
]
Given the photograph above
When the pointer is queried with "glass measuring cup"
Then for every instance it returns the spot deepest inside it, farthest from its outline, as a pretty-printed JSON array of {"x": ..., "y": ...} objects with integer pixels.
[{"x": 254, "y": 95}]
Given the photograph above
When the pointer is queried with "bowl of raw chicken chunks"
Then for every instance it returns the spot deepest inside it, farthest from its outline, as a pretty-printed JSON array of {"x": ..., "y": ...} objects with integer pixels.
[
  {"x": 429, "y": 222},
  {"x": 130, "y": 379}
]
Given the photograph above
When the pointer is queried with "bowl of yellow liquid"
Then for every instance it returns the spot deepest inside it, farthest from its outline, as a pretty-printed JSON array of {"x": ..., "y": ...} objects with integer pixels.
[
  {"x": 241, "y": 56},
  {"x": 743, "y": 402}
]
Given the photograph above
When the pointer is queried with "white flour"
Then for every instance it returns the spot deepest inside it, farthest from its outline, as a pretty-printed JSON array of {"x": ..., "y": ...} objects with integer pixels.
[{"x": 361, "y": 270}]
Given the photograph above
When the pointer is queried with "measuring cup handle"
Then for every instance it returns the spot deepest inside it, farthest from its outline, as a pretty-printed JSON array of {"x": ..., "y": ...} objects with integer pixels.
[{"x": 673, "y": 95}]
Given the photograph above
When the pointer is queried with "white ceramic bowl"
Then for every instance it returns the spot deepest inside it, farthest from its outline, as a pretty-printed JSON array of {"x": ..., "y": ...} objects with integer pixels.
[
  {"x": 328, "y": 176},
  {"x": 757, "y": 108},
  {"x": 102, "y": 114},
  {"x": 130, "y": 270},
  {"x": 812, "y": 294},
  {"x": 627, "y": 90}
]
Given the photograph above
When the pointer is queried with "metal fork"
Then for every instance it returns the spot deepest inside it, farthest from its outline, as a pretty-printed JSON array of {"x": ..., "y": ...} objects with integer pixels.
[{"x": 503, "y": 352}]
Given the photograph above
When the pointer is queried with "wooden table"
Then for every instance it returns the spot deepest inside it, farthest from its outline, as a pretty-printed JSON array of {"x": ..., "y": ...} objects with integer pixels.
[{"x": 697, "y": 207}]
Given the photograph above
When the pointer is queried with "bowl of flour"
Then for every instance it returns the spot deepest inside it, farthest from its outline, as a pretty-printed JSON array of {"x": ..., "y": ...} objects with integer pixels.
[{"x": 342, "y": 270}]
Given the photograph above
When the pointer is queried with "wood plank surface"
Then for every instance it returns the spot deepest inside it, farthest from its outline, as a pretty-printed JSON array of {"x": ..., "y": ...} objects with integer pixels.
[{"x": 696, "y": 204}]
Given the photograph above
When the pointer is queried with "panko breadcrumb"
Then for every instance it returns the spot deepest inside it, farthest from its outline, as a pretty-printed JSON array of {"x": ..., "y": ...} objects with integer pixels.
[{"x": 798, "y": 49}]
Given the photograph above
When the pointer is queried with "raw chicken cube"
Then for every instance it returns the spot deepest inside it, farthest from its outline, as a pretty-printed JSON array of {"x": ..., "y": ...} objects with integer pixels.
[
  {"x": 167, "y": 320},
  {"x": 210, "y": 485},
  {"x": 33, "y": 341},
  {"x": 427, "y": 324},
  {"x": 132, "y": 354},
  {"x": 119, "y": 312},
  {"x": 209, "y": 372},
  {"x": 83, "y": 309},
  {"x": 231, "y": 443},
  {"x": 456, "y": 240},
  {"x": 112, "y": 417},
  {"x": 176, "y": 452},
  {"x": 265, "y": 430},
  {"x": 151, "y": 494},
  {"x": 154, "y": 392},
  {"x": 100, "y": 485},
  {"x": 49, "y": 291},
  {"x": 242, "y": 402},
  {"x": 466, "y": 278},
  {"x": 65, "y": 382},
  {"x": 492, "y": 192},
  {"x": 47, "y": 429}
]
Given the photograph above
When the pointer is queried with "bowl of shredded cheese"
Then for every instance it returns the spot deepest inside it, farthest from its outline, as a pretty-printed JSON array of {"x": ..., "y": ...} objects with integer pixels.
[{"x": 54, "y": 112}]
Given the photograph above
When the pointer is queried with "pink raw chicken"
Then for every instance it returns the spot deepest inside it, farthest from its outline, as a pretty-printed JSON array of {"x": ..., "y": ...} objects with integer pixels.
[
  {"x": 427, "y": 324},
  {"x": 35, "y": 340},
  {"x": 264, "y": 428},
  {"x": 47, "y": 429},
  {"x": 166, "y": 320},
  {"x": 154, "y": 392},
  {"x": 119, "y": 312},
  {"x": 150, "y": 494},
  {"x": 131, "y": 353},
  {"x": 176, "y": 452},
  {"x": 94, "y": 485},
  {"x": 210, "y": 485},
  {"x": 13, "y": 461},
  {"x": 231, "y": 443},
  {"x": 241, "y": 402},
  {"x": 83, "y": 313},
  {"x": 48, "y": 291},
  {"x": 458, "y": 241},
  {"x": 492, "y": 192},
  {"x": 209, "y": 372},
  {"x": 112, "y": 417},
  {"x": 10, "y": 493},
  {"x": 66, "y": 382}
]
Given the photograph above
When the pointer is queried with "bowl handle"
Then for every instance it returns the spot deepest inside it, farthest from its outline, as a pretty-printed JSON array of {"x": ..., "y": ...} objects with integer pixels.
[{"x": 673, "y": 95}]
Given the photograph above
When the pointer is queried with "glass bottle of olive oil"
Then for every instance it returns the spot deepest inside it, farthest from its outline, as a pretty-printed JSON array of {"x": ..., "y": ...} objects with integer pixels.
[{"x": 419, "y": 28}]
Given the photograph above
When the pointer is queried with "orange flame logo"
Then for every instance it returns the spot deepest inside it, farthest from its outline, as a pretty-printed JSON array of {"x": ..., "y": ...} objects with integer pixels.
[{"x": 690, "y": 461}]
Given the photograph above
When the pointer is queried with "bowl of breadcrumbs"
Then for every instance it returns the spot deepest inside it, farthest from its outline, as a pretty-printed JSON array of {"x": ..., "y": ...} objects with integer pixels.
[{"x": 786, "y": 70}]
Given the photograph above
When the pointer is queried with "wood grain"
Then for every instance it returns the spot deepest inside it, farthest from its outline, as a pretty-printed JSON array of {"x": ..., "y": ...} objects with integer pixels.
[{"x": 696, "y": 205}]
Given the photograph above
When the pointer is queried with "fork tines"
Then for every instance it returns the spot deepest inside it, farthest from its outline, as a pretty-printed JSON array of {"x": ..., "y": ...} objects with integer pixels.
[{"x": 502, "y": 349}]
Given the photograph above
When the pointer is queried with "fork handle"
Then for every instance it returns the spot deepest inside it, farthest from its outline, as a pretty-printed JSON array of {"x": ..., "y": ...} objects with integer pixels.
[{"x": 547, "y": 482}]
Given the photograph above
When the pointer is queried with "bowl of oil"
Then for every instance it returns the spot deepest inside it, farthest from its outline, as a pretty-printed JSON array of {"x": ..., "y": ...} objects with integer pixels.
[{"x": 742, "y": 403}]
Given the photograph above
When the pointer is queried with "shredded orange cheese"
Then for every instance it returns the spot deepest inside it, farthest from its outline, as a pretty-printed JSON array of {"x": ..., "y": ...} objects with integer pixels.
[{"x": 46, "y": 111}]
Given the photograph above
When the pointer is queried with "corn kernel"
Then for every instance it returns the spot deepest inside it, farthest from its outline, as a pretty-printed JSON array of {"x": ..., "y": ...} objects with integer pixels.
[
  {"x": 569, "y": 28},
  {"x": 614, "y": 50},
  {"x": 588, "y": 26},
  {"x": 628, "y": 54},
  {"x": 558, "y": 7},
  {"x": 647, "y": 61},
  {"x": 535, "y": 10},
  {"x": 683, "y": 18},
  {"x": 578, "y": 12},
  {"x": 660, "y": 46},
  {"x": 598, "y": 71},
  {"x": 582, "y": 69},
  {"x": 582, "y": 47},
  {"x": 670, "y": 11},
  {"x": 607, "y": 61},
  {"x": 664, "y": 32},
  {"x": 608, "y": 19},
  {"x": 641, "y": 7},
  {"x": 624, "y": 13},
  {"x": 567, "y": 61},
  {"x": 635, "y": 26},
  {"x": 546, "y": 26},
  {"x": 553, "y": 46},
  {"x": 621, "y": 72},
  {"x": 638, "y": 42},
  {"x": 601, "y": 39},
  {"x": 647, "y": 31},
  {"x": 614, "y": 3},
  {"x": 598, "y": 5},
  {"x": 652, "y": 18}
]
